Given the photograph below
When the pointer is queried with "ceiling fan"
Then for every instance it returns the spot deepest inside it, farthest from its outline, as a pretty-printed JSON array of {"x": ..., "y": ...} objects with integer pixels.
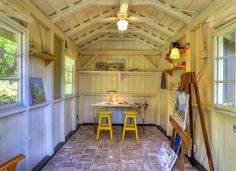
[{"x": 123, "y": 18}]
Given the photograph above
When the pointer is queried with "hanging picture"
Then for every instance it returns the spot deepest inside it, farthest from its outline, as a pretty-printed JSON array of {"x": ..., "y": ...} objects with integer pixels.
[
  {"x": 181, "y": 109},
  {"x": 115, "y": 64},
  {"x": 37, "y": 94},
  {"x": 166, "y": 157},
  {"x": 101, "y": 66}
]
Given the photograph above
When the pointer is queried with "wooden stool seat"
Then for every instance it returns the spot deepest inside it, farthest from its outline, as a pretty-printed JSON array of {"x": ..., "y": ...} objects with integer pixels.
[
  {"x": 103, "y": 126},
  {"x": 130, "y": 126}
]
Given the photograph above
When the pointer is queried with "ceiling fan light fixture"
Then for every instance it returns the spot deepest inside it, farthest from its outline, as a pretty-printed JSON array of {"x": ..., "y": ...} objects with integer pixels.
[{"x": 122, "y": 24}]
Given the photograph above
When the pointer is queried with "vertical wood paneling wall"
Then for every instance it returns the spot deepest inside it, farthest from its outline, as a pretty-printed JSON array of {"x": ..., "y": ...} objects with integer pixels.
[
  {"x": 58, "y": 118},
  {"x": 38, "y": 135},
  {"x": 14, "y": 138},
  {"x": 36, "y": 130},
  {"x": 130, "y": 87},
  {"x": 219, "y": 123}
]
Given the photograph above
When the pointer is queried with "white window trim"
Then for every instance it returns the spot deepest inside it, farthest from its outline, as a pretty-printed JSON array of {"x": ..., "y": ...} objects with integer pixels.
[
  {"x": 24, "y": 99},
  {"x": 218, "y": 34}
]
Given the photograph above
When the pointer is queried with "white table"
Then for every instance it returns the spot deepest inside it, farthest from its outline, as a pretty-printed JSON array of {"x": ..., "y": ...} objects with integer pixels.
[{"x": 116, "y": 105}]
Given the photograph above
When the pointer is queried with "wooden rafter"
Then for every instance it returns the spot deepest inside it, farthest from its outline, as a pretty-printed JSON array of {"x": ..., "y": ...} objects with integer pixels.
[
  {"x": 148, "y": 35},
  {"x": 204, "y": 14},
  {"x": 99, "y": 38},
  {"x": 154, "y": 25},
  {"x": 182, "y": 17},
  {"x": 90, "y": 34},
  {"x": 70, "y": 9},
  {"x": 140, "y": 39},
  {"x": 90, "y": 22}
]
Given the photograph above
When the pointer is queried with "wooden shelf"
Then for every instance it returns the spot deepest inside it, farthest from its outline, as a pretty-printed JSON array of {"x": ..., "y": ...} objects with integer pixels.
[
  {"x": 170, "y": 71},
  {"x": 43, "y": 55},
  {"x": 182, "y": 51},
  {"x": 121, "y": 94},
  {"x": 119, "y": 72}
]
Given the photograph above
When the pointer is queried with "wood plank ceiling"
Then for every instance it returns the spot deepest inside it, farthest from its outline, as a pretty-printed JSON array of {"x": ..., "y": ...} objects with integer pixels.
[{"x": 152, "y": 22}]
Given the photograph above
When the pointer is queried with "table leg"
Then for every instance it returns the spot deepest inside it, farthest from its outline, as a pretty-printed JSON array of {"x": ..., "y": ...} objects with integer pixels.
[
  {"x": 143, "y": 122},
  {"x": 95, "y": 119}
]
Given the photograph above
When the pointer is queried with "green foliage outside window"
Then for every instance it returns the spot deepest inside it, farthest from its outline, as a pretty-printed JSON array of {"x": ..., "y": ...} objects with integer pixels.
[
  {"x": 68, "y": 76},
  {"x": 8, "y": 69}
]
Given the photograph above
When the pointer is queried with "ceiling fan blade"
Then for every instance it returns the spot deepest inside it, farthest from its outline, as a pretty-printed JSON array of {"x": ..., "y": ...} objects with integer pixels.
[
  {"x": 140, "y": 19},
  {"x": 107, "y": 20},
  {"x": 124, "y": 4}
]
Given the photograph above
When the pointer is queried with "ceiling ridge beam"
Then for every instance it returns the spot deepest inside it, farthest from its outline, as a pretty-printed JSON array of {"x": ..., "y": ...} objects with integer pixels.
[
  {"x": 91, "y": 21},
  {"x": 70, "y": 9}
]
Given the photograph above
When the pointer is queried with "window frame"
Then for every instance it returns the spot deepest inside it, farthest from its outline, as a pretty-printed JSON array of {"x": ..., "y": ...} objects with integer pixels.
[
  {"x": 72, "y": 62},
  {"x": 219, "y": 33},
  {"x": 12, "y": 25}
]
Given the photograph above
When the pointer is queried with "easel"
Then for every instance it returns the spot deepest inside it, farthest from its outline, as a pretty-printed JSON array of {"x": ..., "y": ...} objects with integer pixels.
[
  {"x": 187, "y": 80},
  {"x": 186, "y": 141}
]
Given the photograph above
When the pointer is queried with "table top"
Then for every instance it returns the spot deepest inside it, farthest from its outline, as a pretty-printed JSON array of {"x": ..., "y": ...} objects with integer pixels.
[{"x": 117, "y": 104}]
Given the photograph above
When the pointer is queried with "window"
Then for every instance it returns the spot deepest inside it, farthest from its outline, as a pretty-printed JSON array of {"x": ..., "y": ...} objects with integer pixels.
[
  {"x": 68, "y": 75},
  {"x": 10, "y": 66},
  {"x": 225, "y": 71}
]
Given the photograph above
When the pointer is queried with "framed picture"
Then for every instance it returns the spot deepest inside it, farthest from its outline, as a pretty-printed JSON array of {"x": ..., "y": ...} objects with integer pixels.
[
  {"x": 37, "y": 94},
  {"x": 115, "y": 64},
  {"x": 166, "y": 157},
  {"x": 177, "y": 141},
  {"x": 181, "y": 109},
  {"x": 101, "y": 66}
]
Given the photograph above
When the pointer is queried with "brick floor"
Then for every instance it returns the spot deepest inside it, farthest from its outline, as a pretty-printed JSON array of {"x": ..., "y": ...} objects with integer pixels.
[{"x": 83, "y": 152}]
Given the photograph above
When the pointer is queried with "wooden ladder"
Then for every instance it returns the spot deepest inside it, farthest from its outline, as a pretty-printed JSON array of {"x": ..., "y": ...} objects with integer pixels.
[{"x": 10, "y": 165}]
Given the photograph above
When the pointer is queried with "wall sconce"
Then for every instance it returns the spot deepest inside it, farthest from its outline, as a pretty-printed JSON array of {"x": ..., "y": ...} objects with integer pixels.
[{"x": 174, "y": 54}]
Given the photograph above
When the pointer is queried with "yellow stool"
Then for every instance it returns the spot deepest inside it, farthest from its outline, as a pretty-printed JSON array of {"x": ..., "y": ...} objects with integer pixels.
[
  {"x": 130, "y": 127},
  {"x": 105, "y": 126}
]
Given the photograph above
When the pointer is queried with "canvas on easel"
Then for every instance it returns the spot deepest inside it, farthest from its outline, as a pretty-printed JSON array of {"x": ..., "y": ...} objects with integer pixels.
[
  {"x": 181, "y": 108},
  {"x": 180, "y": 116}
]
